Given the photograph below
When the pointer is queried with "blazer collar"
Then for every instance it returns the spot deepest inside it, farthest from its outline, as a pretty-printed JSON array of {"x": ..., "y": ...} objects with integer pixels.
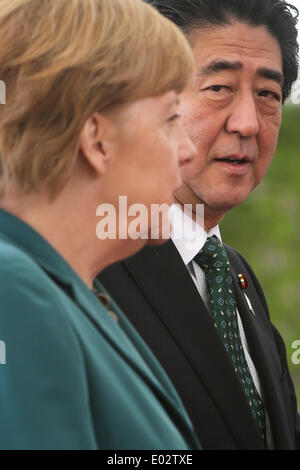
[{"x": 32, "y": 243}]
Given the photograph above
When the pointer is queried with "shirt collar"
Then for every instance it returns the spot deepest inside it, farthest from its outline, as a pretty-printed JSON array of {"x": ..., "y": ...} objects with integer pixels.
[{"x": 187, "y": 235}]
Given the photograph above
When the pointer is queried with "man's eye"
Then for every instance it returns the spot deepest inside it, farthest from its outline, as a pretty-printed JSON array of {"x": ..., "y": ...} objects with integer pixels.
[
  {"x": 270, "y": 94},
  {"x": 217, "y": 88}
]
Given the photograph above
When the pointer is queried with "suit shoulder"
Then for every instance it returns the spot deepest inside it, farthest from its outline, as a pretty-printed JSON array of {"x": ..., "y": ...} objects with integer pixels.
[
  {"x": 15, "y": 262},
  {"x": 34, "y": 323},
  {"x": 44, "y": 394},
  {"x": 26, "y": 291}
]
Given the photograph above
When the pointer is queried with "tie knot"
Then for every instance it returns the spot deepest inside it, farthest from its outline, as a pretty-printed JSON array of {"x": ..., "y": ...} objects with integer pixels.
[{"x": 212, "y": 255}]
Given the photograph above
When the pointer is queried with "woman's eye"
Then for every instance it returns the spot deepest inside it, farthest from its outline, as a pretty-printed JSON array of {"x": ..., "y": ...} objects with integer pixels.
[{"x": 173, "y": 118}]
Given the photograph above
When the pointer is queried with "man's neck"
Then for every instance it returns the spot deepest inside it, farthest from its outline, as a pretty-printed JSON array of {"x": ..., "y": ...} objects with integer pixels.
[{"x": 211, "y": 218}]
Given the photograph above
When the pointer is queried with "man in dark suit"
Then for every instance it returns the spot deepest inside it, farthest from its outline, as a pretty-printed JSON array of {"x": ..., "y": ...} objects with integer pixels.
[{"x": 238, "y": 391}]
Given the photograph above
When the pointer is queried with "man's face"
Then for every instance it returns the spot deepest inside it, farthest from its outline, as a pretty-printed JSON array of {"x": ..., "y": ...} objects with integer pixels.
[{"x": 232, "y": 112}]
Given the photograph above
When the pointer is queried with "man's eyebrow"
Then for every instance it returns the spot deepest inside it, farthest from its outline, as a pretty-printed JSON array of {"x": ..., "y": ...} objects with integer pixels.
[
  {"x": 271, "y": 75},
  {"x": 218, "y": 65}
]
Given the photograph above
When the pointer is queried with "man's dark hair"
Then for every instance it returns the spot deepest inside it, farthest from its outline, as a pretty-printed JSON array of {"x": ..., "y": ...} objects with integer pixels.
[{"x": 278, "y": 16}]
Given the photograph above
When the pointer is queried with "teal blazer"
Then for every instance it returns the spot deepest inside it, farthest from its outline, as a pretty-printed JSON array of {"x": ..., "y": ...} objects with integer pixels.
[{"x": 76, "y": 374}]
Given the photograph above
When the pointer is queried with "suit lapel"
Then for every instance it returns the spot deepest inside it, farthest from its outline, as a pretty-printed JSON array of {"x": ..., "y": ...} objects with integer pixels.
[
  {"x": 123, "y": 338},
  {"x": 160, "y": 273},
  {"x": 263, "y": 352},
  {"x": 93, "y": 308}
]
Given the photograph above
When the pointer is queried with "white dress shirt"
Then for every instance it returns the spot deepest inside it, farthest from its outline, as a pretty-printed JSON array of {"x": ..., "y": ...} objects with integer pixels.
[{"x": 189, "y": 238}]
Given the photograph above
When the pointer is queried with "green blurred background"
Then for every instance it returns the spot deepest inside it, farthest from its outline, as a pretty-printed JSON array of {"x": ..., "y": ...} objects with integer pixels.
[{"x": 266, "y": 230}]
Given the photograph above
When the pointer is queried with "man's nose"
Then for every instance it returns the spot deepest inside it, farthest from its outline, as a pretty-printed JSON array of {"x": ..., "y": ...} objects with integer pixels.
[
  {"x": 243, "y": 118},
  {"x": 187, "y": 150}
]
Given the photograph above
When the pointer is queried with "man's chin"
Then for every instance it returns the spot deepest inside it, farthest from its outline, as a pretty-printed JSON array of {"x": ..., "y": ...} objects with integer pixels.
[{"x": 225, "y": 203}]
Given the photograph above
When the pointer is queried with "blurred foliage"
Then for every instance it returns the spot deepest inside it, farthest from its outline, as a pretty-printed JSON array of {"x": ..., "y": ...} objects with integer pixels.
[{"x": 266, "y": 230}]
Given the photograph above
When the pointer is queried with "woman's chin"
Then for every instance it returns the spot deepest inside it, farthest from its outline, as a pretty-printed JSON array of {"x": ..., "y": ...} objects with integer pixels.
[{"x": 160, "y": 240}]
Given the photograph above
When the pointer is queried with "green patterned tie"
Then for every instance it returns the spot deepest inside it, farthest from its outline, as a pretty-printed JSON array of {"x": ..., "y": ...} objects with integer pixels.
[{"x": 215, "y": 264}]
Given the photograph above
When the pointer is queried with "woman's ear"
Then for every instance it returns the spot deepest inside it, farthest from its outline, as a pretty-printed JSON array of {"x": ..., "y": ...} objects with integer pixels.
[{"x": 94, "y": 143}]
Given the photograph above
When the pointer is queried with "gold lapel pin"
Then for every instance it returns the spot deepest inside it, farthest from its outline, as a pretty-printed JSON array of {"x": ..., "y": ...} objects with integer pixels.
[{"x": 243, "y": 281}]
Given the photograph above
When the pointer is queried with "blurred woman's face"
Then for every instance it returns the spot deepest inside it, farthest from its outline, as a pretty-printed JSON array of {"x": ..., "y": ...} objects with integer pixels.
[{"x": 149, "y": 148}]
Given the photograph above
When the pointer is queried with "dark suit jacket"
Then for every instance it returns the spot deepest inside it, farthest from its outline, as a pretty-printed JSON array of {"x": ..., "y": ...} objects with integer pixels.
[{"x": 157, "y": 293}]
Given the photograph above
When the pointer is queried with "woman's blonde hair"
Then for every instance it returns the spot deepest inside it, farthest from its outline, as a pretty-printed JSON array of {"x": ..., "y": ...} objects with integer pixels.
[{"x": 63, "y": 60}]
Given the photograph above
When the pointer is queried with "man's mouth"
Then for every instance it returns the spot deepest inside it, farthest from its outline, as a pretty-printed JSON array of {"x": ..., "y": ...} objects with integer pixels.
[
  {"x": 235, "y": 164},
  {"x": 234, "y": 160}
]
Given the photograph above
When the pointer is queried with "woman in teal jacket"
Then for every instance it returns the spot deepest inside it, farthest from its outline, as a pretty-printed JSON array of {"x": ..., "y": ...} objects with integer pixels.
[{"x": 92, "y": 91}]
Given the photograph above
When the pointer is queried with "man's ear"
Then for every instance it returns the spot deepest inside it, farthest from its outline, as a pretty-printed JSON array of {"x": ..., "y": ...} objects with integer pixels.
[{"x": 93, "y": 143}]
